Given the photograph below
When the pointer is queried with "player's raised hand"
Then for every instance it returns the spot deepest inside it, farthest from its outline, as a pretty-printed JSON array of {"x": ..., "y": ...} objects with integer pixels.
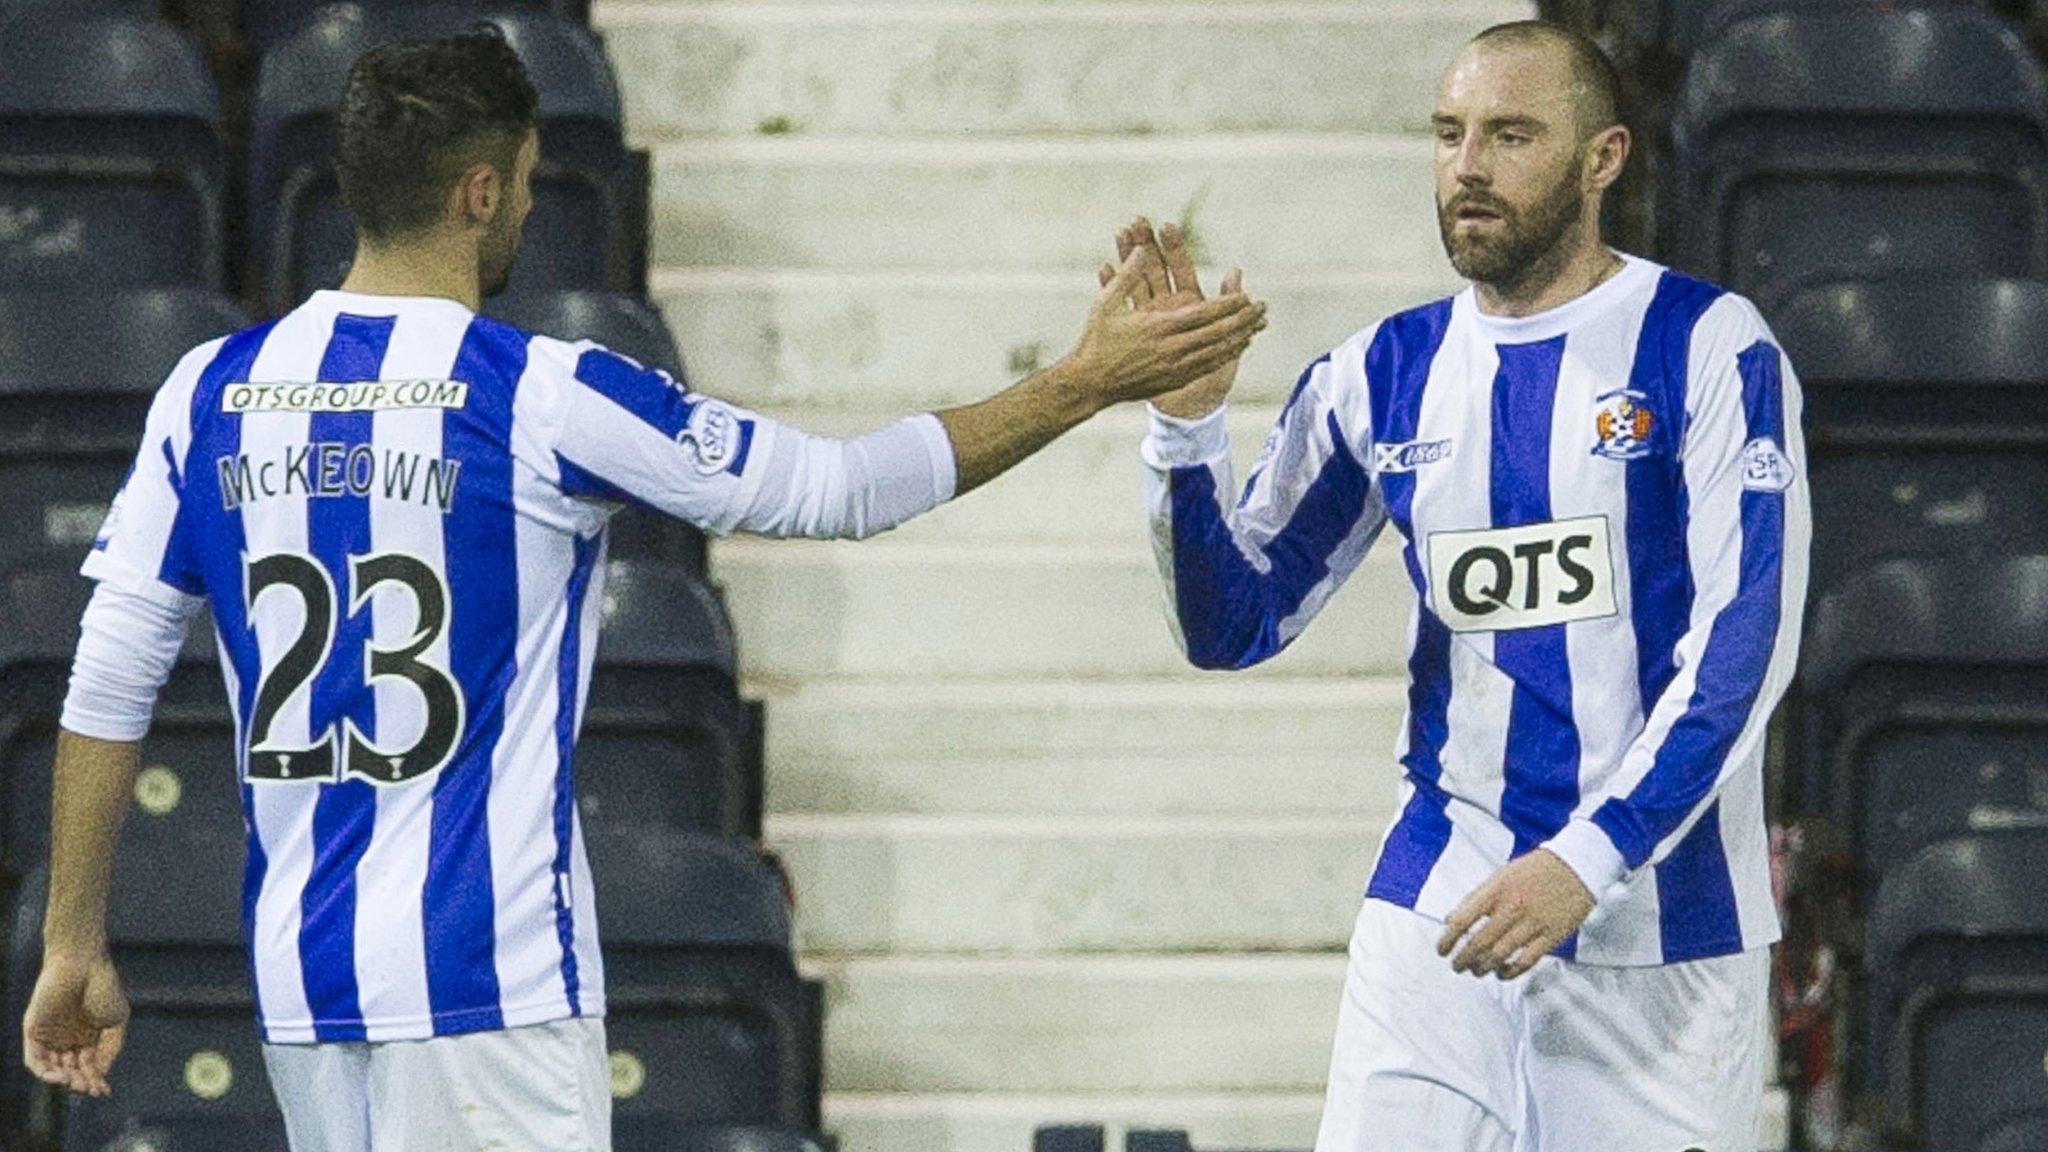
[
  {"x": 1133, "y": 350},
  {"x": 1519, "y": 916},
  {"x": 76, "y": 1023},
  {"x": 1175, "y": 283}
]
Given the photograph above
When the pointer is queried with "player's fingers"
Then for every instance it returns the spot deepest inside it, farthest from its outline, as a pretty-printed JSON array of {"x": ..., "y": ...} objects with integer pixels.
[
  {"x": 1104, "y": 275},
  {"x": 1233, "y": 282},
  {"x": 1155, "y": 274},
  {"x": 1124, "y": 242},
  {"x": 1203, "y": 313},
  {"x": 1524, "y": 959},
  {"x": 1479, "y": 954},
  {"x": 1508, "y": 949},
  {"x": 1461, "y": 919},
  {"x": 1180, "y": 263},
  {"x": 1129, "y": 278}
]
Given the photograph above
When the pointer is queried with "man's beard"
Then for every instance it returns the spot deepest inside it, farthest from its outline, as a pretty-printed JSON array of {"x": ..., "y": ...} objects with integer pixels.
[
  {"x": 495, "y": 272},
  {"x": 1522, "y": 243}
]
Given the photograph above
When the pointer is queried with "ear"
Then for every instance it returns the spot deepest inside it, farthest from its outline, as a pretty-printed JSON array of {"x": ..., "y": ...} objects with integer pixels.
[
  {"x": 480, "y": 194},
  {"x": 1606, "y": 155}
]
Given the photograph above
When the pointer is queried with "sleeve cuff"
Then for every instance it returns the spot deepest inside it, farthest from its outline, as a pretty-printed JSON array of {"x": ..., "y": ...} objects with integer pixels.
[
  {"x": 1171, "y": 442},
  {"x": 1586, "y": 850},
  {"x": 945, "y": 465}
]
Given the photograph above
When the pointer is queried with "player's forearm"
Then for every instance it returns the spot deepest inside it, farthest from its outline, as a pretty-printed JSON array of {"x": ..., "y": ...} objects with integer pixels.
[
  {"x": 89, "y": 797},
  {"x": 996, "y": 435}
]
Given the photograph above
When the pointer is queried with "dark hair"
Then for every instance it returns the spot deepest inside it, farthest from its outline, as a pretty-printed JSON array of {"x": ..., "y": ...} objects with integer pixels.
[
  {"x": 1596, "y": 85},
  {"x": 417, "y": 113}
]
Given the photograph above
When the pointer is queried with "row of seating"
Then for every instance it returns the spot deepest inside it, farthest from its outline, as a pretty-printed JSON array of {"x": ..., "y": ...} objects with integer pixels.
[
  {"x": 116, "y": 208},
  {"x": 114, "y": 170},
  {"x": 707, "y": 1020},
  {"x": 1876, "y": 176}
]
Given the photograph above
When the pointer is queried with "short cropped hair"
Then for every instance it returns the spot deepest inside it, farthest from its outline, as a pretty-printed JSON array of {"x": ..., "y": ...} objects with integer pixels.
[
  {"x": 1596, "y": 85},
  {"x": 416, "y": 114}
]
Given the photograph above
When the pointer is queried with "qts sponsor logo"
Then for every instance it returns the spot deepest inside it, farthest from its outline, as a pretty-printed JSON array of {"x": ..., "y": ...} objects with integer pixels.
[{"x": 1501, "y": 579}]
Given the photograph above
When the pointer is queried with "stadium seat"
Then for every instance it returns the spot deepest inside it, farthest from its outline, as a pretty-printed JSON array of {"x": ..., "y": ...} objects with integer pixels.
[
  {"x": 111, "y": 161},
  {"x": 78, "y": 368},
  {"x": 626, "y": 324},
  {"x": 1816, "y": 146},
  {"x": 188, "y": 780},
  {"x": 665, "y": 741},
  {"x": 1926, "y": 417},
  {"x": 1958, "y": 967},
  {"x": 1923, "y": 716},
  {"x": 746, "y": 1139},
  {"x": 587, "y": 229},
  {"x": 1681, "y": 27},
  {"x": 707, "y": 1020},
  {"x": 193, "y": 1063},
  {"x": 266, "y": 22}
]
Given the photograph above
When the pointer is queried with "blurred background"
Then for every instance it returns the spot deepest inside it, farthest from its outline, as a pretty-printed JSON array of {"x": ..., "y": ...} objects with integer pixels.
[{"x": 1049, "y": 886}]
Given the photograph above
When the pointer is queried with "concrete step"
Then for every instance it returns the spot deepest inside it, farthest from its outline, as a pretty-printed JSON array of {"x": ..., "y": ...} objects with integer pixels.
[
  {"x": 1219, "y": 746},
  {"x": 988, "y": 1122},
  {"x": 1262, "y": 201},
  {"x": 881, "y": 608},
  {"x": 1109, "y": 1024},
  {"x": 1007, "y": 884},
  {"x": 712, "y": 68},
  {"x": 897, "y": 341}
]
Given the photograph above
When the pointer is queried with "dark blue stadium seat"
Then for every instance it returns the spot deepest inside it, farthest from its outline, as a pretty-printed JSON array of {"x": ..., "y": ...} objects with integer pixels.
[
  {"x": 175, "y": 933},
  {"x": 1684, "y": 26},
  {"x": 629, "y": 325},
  {"x": 1926, "y": 417},
  {"x": 587, "y": 229},
  {"x": 111, "y": 161},
  {"x": 78, "y": 368},
  {"x": 1908, "y": 665},
  {"x": 735, "y": 1139},
  {"x": 707, "y": 1020},
  {"x": 665, "y": 741},
  {"x": 1958, "y": 968},
  {"x": 1069, "y": 1138},
  {"x": 188, "y": 780},
  {"x": 1817, "y": 146},
  {"x": 266, "y": 22}
]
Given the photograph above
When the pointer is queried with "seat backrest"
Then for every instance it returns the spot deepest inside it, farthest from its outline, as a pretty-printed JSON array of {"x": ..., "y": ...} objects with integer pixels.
[
  {"x": 625, "y": 323},
  {"x": 1068, "y": 1138},
  {"x": 1979, "y": 1084},
  {"x": 78, "y": 370},
  {"x": 300, "y": 233},
  {"x": 1926, "y": 777},
  {"x": 1157, "y": 1140},
  {"x": 1816, "y": 145},
  {"x": 711, "y": 1138},
  {"x": 1930, "y": 613},
  {"x": 266, "y": 22},
  {"x": 111, "y": 161},
  {"x": 1926, "y": 414},
  {"x": 687, "y": 891},
  {"x": 1965, "y": 920},
  {"x": 1693, "y": 24},
  {"x": 661, "y": 616}
]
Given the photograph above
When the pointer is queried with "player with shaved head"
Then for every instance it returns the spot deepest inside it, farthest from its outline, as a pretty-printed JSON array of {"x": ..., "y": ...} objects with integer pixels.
[{"x": 1594, "y": 472}]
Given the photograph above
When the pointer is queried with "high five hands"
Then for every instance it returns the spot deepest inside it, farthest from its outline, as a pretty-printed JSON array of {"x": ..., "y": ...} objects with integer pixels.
[
  {"x": 1139, "y": 343},
  {"x": 1167, "y": 282}
]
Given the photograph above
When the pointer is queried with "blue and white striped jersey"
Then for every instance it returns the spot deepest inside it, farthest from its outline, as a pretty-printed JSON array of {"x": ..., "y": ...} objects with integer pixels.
[
  {"x": 1603, "y": 511},
  {"x": 395, "y": 510}
]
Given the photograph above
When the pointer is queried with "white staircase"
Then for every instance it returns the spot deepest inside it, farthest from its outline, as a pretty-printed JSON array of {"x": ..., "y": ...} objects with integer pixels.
[{"x": 1048, "y": 872}]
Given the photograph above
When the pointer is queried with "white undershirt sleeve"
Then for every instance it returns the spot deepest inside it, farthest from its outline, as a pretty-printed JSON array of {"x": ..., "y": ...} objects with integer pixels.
[{"x": 126, "y": 646}]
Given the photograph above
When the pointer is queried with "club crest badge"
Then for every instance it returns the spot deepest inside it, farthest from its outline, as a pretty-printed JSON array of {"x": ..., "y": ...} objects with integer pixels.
[{"x": 1622, "y": 422}]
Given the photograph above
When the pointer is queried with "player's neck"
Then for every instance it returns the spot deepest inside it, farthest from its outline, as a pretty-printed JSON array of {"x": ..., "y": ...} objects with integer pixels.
[
  {"x": 425, "y": 269},
  {"x": 1563, "y": 276}
]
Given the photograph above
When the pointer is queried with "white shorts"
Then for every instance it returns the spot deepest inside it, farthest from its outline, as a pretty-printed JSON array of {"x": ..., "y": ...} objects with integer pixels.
[
  {"x": 543, "y": 1086},
  {"x": 1570, "y": 1058}
]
